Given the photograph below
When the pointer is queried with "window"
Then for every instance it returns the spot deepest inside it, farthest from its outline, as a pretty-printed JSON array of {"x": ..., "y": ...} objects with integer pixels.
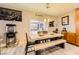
[{"x": 37, "y": 26}]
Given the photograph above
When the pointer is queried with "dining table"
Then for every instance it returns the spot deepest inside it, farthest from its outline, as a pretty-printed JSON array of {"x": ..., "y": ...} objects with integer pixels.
[{"x": 46, "y": 37}]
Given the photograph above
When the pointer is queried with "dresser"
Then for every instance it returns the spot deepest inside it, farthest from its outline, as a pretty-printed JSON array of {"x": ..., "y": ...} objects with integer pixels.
[{"x": 73, "y": 38}]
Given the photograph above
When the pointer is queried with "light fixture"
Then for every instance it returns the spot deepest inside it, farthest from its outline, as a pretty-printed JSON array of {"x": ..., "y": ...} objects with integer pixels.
[
  {"x": 46, "y": 20},
  {"x": 48, "y": 5}
]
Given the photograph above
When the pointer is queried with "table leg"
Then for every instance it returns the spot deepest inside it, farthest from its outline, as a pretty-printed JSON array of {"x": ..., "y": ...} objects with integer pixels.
[
  {"x": 37, "y": 52},
  {"x": 15, "y": 39},
  {"x": 62, "y": 45},
  {"x": 6, "y": 42}
]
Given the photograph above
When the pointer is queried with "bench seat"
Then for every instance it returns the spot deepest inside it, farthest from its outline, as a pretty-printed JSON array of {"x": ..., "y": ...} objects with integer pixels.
[{"x": 48, "y": 44}]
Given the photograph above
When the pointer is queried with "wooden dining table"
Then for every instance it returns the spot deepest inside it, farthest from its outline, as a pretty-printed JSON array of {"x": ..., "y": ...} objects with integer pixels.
[
  {"x": 46, "y": 37},
  {"x": 51, "y": 37}
]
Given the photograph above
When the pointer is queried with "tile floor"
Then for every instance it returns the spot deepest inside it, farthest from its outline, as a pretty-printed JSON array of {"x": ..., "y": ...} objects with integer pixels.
[{"x": 68, "y": 50}]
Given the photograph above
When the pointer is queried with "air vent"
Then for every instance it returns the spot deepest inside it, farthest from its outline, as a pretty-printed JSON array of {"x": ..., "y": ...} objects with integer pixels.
[{"x": 39, "y": 15}]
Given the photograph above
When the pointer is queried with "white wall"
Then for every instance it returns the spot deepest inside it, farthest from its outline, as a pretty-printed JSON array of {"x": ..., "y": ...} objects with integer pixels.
[
  {"x": 71, "y": 26},
  {"x": 51, "y": 29},
  {"x": 22, "y": 27}
]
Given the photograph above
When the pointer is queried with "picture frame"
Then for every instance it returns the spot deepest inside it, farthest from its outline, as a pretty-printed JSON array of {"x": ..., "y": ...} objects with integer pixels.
[
  {"x": 10, "y": 14},
  {"x": 51, "y": 24},
  {"x": 65, "y": 20}
]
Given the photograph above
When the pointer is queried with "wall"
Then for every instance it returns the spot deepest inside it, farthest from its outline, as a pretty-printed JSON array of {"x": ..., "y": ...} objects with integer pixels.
[
  {"x": 24, "y": 26},
  {"x": 71, "y": 26},
  {"x": 51, "y": 29}
]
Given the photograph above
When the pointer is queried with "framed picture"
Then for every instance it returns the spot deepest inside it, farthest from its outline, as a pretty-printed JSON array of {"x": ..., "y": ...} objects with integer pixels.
[
  {"x": 65, "y": 20},
  {"x": 51, "y": 24},
  {"x": 10, "y": 14}
]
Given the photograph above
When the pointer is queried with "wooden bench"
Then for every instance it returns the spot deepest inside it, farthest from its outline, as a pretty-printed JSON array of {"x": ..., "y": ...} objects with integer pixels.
[{"x": 38, "y": 47}]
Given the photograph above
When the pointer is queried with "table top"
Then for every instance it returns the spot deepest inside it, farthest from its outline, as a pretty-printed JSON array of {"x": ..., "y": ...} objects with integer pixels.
[{"x": 46, "y": 36}]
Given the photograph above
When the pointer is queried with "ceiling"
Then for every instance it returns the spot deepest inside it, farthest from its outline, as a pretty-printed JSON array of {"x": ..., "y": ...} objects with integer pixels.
[{"x": 55, "y": 9}]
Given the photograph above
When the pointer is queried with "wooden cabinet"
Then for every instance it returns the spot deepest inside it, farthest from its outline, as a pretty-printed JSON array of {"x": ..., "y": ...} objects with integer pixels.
[
  {"x": 77, "y": 25},
  {"x": 77, "y": 21},
  {"x": 71, "y": 38},
  {"x": 65, "y": 35},
  {"x": 74, "y": 37},
  {"x": 77, "y": 40}
]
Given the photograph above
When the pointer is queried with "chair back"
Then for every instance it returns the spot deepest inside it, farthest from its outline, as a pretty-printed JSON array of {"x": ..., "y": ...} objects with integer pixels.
[
  {"x": 27, "y": 38},
  {"x": 26, "y": 48},
  {"x": 28, "y": 44}
]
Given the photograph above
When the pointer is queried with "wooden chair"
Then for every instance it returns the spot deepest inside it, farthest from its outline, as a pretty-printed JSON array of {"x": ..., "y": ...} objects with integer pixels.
[{"x": 29, "y": 45}]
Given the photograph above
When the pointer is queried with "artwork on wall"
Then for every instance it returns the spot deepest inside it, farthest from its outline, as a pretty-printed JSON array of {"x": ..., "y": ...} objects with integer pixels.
[
  {"x": 65, "y": 20},
  {"x": 10, "y": 14},
  {"x": 51, "y": 24}
]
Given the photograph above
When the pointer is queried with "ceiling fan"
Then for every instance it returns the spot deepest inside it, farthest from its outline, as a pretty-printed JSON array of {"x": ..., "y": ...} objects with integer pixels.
[{"x": 47, "y": 5}]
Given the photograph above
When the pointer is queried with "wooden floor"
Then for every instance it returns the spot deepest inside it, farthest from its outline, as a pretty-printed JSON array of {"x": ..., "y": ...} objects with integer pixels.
[{"x": 19, "y": 50}]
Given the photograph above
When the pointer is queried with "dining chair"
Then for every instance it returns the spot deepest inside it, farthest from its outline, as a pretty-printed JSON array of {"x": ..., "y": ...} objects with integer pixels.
[{"x": 29, "y": 45}]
